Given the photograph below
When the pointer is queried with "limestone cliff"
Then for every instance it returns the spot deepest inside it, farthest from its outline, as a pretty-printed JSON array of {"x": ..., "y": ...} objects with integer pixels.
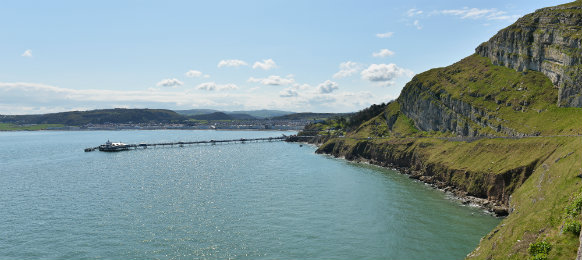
[
  {"x": 524, "y": 82},
  {"x": 439, "y": 111},
  {"x": 542, "y": 57},
  {"x": 549, "y": 41},
  {"x": 473, "y": 97}
]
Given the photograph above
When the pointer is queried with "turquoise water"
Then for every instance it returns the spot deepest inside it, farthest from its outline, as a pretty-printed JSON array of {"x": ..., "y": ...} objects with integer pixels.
[{"x": 243, "y": 201}]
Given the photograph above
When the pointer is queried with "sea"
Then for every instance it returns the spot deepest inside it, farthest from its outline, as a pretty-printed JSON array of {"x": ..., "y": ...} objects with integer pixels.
[{"x": 268, "y": 200}]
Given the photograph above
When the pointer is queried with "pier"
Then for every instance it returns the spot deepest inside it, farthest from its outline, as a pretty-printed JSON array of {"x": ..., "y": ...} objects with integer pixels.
[{"x": 114, "y": 147}]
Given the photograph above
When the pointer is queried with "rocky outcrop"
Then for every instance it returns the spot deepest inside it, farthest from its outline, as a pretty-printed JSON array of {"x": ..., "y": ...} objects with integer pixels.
[
  {"x": 439, "y": 111},
  {"x": 489, "y": 190},
  {"x": 549, "y": 41}
]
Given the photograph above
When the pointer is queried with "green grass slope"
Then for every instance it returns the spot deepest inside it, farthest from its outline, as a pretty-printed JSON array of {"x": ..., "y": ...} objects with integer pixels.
[
  {"x": 536, "y": 178},
  {"x": 78, "y": 118},
  {"x": 524, "y": 101},
  {"x": 539, "y": 207}
]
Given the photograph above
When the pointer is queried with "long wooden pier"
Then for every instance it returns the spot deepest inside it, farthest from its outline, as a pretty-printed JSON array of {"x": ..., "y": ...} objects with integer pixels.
[{"x": 114, "y": 147}]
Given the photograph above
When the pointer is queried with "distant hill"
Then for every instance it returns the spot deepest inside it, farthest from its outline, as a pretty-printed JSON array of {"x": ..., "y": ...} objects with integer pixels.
[
  {"x": 253, "y": 114},
  {"x": 241, "y": 116},
  {"x": 195, "y": 112},
  {"x": 309, "y": 116},
  {"x": 222, "y": 116},
  {"x": 140, "y": 116},
  {"x": 117, "y": 115},
  {"x": 264, "y": 113}
]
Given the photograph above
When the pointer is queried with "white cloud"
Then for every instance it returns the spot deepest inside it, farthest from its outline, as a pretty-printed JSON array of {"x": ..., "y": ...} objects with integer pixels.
[
  {"x": 27, "y": 53},
  {"x": 169, "y": 83},
  {"x": 413, "y": 12},
  {"x": 194, "y": 74},
  {"x": 211, "y": 86},
  {"x": 302, "y": 86},
  {"x": 289, "y": 92},
  {"x": 231, "y": 63},
  {"x": 27, "y": 98},
  {"x": 383, "y": 53},
  {"x": 384, "y": 35},
  {"x": 416, "y": 24},
  {"x": 384, "y": 73},
  {"x": 347, "y": 69},
  {"x": 476, "y": 13},
  {"x": 34, "y": 98},
  {"x": 265, "y": 64},
  {"x": 327, "y": 87},
  {"x": 273, "y": 80}
]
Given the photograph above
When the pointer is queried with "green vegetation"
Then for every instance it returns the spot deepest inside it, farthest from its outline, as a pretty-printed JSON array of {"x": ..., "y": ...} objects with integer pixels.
[
  {"x": 539, "y": 250},
  {"x": 118, "y": 115},
  {"x": 369, "y": 122},
  {"x": 13, "y": 127},
  {"x": 539, "y": 173},
  {"x": 523, "y": 101},
  {"x": 309, "y": 116},
  {"x": 197, "y": 122},
  {"x": 572, "y": 226},
  {"x": 335, "y": 126},
  {"x": 572, "y": 215},
  {"x": 364, "y": 115},
  {"x": 573, "y": 209},
  {"x": 135, "y": 116},
  {"x": 214, "y": 116},
  {"x": 537, "y": 179},
  {"x": 390, "y": 123},
  {"x": 260, "y": 114}
]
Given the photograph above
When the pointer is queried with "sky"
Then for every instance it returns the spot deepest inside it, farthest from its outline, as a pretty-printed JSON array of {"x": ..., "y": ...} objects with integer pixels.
[{"x": 300, "y": 55}]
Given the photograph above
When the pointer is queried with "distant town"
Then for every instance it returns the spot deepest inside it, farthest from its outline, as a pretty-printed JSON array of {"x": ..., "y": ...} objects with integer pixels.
[
  {"x": 260, "y": 124},
  {"x": 153, "y": 119}
]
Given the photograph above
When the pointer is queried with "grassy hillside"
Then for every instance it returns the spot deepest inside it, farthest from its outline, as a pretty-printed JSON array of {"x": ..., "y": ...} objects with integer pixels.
[
  {"x": 536, "y": 176},
  {"x": 13, "y": 127},
  {"x": 523, "y": 101},
  {"x": 249, "y": 114},
  {"x": 494, "y": 133},
  {"x": 78, "y": 118},
  {"x": 222, "y": 116},
  {"x": 533, "y": 178},
  {"x": 539, "y": 208},
  {"x": 263, "y": 113},
  {"x": 195, "y": 112},
  {"x": 308, "y": 116}
]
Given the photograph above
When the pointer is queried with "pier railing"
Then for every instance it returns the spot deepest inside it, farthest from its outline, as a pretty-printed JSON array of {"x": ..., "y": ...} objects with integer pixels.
[{"x": 121, "y": 147}]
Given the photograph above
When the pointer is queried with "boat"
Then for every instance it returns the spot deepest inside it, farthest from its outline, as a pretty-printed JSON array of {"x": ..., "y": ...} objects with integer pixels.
[{"x": 113, "y": 147}]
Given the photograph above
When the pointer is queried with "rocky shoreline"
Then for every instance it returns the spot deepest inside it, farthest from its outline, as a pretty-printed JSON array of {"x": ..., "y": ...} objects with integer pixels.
[
  {"x": 495, "y": 207},
  {"x": 491, "y": 206}
]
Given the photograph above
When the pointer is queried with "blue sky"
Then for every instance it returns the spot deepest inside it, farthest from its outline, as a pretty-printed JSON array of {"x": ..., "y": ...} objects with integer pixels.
[{"x": 321, "y": 56}]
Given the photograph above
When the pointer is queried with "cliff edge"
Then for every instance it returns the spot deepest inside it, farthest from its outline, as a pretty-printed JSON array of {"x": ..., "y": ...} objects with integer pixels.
[
  {"x": 549, "y": 41},
  {"x": 500, "y": 128}
]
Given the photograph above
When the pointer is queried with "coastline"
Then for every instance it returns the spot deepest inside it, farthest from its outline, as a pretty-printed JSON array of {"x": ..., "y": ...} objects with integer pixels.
[
  {"x": 494, "y": 207},
  {"x": 491, "y": 207},
  {"x": 152, "y": 129}
]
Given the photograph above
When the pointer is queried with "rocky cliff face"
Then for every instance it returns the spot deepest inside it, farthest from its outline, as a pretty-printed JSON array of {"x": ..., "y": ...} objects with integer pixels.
[
  {"x": 439, "y": 111},
  {"x": 475, "y": 98},
  {"x": 549, "y": 41},
  {"x": 488, "y": 189}
]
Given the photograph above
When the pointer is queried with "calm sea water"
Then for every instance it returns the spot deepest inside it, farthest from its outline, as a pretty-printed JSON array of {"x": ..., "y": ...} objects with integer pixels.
[{"x": 244, "y": 201}]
